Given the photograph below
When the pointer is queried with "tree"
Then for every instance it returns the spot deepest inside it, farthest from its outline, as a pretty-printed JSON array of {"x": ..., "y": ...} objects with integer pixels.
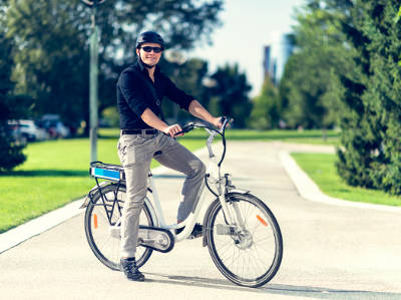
[
  {"x": 230, "y": 94},
  {"x": 371, "y": 152},
  {"x": 266, "y": 108},
  {"x": 187, "y": 76},
  {"x": 356, "y": 68},
  {"x": 309, "y": 88},
  {"x": 52, "y": 38},
  {"x": 10, "y": 153}
]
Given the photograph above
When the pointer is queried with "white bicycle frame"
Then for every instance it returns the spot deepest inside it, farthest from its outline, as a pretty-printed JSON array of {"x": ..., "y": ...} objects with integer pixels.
[{"x": 190, "y": 221}]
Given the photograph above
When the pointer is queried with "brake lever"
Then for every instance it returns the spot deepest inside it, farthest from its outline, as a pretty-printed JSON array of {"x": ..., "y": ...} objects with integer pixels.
[{"x": 226, "y": 122}]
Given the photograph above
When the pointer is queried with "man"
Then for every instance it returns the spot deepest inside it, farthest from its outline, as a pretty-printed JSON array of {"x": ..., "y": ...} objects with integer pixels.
[{"x": 144, "y": 135}]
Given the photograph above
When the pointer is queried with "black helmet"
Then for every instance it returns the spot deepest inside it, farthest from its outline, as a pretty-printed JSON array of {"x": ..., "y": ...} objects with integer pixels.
[{"x": 149, "y": 37}]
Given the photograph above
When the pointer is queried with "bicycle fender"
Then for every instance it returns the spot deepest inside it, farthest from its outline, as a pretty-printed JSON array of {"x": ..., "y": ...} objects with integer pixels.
[
  {"x": 153, "y": 215},
  {"x": 105, "y": 183},
  {"x": 205, "y": 218},
  {"x": 238, "y": 191},
  {"x": 89, "y": 195},
  {"x": 148, "y": 203},
  {"x": 213, "y": 204}
]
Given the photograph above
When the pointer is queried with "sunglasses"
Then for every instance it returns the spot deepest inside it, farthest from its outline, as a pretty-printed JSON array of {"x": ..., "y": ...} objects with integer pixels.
[{"x": 155, "y": 49}]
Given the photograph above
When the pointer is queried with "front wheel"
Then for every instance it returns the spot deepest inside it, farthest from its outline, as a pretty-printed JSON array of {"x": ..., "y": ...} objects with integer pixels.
[{"x": 249, "y": 251}]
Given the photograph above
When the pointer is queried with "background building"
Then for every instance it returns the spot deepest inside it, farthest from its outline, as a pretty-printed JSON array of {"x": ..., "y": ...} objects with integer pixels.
[{"x": 276, "y": 55}]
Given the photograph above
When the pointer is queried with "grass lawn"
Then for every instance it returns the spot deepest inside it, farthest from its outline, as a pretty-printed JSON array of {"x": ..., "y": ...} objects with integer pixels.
[
  {"x": 55, "y": 173},
  {"x": 321, "y": 168},
  {"x": 294, "y": 136}
]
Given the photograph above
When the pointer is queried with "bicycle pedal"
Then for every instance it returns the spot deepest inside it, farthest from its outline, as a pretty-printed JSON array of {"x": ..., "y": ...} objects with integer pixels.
[{"x": 195, "y": 235}]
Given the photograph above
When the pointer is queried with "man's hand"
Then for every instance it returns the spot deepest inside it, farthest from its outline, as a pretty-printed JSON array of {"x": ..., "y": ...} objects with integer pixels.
[
  {"x": 217, "y": 122},
  {"x": 173, "y": 130}
]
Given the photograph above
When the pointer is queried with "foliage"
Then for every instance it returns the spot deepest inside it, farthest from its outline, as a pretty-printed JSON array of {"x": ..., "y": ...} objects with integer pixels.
[
  {"x": 310, "y": 91},
  {"x": 111, "y": 117},
  {"x": 52, "y": 37},
  {"x": 346, "y": 71},
  {"x": 187, "y": 76},
  {"x": 309, "y": 87},
  {"x": 10, "y": 152},
  {"x": 266, "y": 108},
  {"x": 229, "y": 95},
  {"x": 371, "y": 122}
]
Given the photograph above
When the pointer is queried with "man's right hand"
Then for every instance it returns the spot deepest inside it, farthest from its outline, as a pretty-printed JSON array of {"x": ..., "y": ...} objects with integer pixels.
[{"x": 173, "y": 130}]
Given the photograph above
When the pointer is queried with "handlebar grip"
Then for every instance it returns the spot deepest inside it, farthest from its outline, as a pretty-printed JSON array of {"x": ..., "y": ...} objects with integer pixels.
[
  {"x": 186, "y": 128},
  {"x": 226, "y": 122}
]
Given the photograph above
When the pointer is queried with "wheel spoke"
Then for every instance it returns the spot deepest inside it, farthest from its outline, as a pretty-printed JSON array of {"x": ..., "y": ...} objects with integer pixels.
[
  {"x": 106, "y": 247},
  {"x": 253, "y": 259}
]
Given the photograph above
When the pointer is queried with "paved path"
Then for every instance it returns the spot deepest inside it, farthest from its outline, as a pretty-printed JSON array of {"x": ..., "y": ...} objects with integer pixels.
[{"x": 331, "y": 251}]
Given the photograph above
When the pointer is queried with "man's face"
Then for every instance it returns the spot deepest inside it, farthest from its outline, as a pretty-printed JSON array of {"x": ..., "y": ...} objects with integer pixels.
[{"x": 150, "y": 58}]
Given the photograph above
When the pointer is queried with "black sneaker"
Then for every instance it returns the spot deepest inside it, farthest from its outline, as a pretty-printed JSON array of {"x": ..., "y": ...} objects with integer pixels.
[
  {"x": 128, "y": 266},
  {"x": 196, "y": 232}
]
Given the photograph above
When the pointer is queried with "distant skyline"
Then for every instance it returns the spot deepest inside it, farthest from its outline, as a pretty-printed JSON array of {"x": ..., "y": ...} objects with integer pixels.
[{"x": 247, "y": 28}]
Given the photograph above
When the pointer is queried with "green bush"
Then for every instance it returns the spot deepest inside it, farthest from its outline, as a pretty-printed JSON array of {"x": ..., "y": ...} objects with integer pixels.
[
  {"x": 266, "y": 108},
  {"x": 370, "y": 155},
  {"x": 10, "y": 152},
  {"x": 111, "y": 116}
]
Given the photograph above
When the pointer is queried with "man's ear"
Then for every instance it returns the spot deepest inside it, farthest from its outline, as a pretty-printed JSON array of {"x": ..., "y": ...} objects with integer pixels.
[{"x": 137, "y": 51}]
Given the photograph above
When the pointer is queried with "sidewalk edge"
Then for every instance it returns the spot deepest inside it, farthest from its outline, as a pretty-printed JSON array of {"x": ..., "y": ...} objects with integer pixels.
[{"x": 308, "y": 189}]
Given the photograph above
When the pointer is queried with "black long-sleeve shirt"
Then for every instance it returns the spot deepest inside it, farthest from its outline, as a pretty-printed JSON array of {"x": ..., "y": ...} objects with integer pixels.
[{"x": 134, "y": 95}]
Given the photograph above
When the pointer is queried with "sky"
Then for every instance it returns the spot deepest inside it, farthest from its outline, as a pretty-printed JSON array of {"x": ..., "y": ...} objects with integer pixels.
[{"x": 247, "y": 28}]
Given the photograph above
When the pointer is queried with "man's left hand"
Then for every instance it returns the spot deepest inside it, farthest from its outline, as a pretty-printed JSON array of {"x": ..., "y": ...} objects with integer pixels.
[
  {"x": 217, "y": 122},
  {"x": 173, "y": 130}
]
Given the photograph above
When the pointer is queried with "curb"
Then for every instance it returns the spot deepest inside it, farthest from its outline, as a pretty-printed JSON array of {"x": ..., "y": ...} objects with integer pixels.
[
  {"x": 310, "y": 191},
  {"x": 17, "y": 235}
]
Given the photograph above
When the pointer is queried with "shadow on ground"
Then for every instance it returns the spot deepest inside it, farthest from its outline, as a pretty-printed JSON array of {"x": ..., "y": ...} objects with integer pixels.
[{"x": 279, "y": 289}]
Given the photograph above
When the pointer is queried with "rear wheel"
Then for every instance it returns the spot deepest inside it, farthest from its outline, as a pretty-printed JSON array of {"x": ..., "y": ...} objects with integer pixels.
[
  {"x": 248, "y": 255},
  {"x": 103, "y": 235}
]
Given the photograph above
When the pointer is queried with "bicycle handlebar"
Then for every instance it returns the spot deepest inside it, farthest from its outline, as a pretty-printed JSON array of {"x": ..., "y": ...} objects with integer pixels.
[
  {"x": 226, "y": 122},
  {"x": 193, "y": 125}
]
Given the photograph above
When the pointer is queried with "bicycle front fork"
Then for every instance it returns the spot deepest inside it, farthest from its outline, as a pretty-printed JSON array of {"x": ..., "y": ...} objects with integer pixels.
[{"x": 230, "y": 207}]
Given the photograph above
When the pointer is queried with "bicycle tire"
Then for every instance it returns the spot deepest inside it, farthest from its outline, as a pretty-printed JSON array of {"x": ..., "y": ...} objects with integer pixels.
[
  {"x": 105, "y": 247},
  {"x": 244, "y": 266}
]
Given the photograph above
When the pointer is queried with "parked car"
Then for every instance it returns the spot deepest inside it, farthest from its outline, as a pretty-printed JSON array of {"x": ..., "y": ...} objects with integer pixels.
[
  {"x": 28, "y": 130},
  {"x": 15, "y": 133},
  {"x": 54, "y": 126}
]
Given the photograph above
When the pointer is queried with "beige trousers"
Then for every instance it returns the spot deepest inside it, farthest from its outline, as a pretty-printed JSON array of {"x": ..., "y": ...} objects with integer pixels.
[{"x": 136, "y": 152}]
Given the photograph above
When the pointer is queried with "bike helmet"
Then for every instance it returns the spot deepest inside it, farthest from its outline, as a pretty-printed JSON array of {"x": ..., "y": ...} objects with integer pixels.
[{"x": 149, "y": 37}]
